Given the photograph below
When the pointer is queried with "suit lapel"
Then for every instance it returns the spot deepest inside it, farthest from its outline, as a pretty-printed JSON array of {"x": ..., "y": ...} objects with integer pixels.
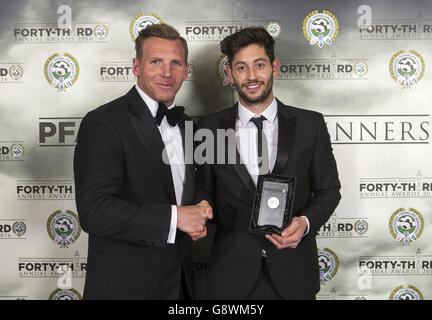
[
  {"x": 146, "y": 129},
  {"x": 228, "y": 123},
  {"x": 286, "y": 132}
]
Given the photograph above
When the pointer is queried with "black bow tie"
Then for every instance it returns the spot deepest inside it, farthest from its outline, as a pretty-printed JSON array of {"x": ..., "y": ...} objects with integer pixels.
[{"x": 173, "y": 115}]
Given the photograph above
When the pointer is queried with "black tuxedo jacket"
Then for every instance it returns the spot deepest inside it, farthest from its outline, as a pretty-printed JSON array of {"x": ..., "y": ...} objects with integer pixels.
[
  {"x": 305, "y": 152},
  {"x": 124, "y": 194}
]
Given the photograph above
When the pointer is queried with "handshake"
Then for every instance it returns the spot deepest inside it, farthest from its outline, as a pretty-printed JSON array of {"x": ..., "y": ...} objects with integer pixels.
[{"x": 192, "y": 219}]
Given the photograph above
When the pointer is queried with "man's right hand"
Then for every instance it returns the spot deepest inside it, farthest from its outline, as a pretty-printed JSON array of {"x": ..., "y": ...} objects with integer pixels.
[{"x": 192, "y": 219}]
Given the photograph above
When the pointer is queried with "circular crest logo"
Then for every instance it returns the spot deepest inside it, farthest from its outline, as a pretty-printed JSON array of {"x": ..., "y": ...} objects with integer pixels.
[
  {"x": 61, "y": 71},
  {"x": 221, "y": 65},
  {"x": 406, "y": 226},
  {"x": 406, "y": 293},
  {"x": 101, "y": 31},
  {"x": 63, "y": 228},
  {"x": 328, "y": 263},
  {"x": 320, "y": 29},
  {"x": 190, "y": 75},
  {"x": 19, "y": 228},
  {"x": 361, "y": 227},
  {"x": 142, "y": 21},
  {"x": 274, "y": 29},
  {"x": 407, "y": 68},
  {"x": 361, "y": 68},
  {"x": 17, "y": 150},
  {"x": 65, "y": 294},
  {"x": 16, "y": 72}
]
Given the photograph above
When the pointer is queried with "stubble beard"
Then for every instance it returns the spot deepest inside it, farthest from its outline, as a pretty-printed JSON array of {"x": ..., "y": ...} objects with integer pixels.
[{"x": 258, "y": 100}]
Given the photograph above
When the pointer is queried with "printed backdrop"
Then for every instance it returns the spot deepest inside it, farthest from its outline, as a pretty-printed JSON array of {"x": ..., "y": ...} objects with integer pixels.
[{"x": 364, "y": 65}]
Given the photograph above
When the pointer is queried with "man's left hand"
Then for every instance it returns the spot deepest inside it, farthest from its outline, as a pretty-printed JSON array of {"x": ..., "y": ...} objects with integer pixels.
[
  {"x": 208, "y": 210},
  {"x": 198, "y": 235},
  {"x": 291, "y": 236}
]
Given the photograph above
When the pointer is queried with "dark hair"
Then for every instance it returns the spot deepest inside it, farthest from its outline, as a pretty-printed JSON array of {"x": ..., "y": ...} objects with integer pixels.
[
  {"x": 162, "y": 31},
  {"x": 245, "y": 37}
]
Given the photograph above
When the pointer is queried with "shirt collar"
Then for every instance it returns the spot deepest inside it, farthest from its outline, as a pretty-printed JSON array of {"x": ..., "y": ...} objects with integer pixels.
[
  {"x": 244, "y": 115},
  {"x": 151, "y": 104}
]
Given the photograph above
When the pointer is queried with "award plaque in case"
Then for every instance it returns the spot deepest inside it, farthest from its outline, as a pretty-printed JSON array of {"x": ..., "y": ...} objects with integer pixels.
[{"x": 272, "y": 208}]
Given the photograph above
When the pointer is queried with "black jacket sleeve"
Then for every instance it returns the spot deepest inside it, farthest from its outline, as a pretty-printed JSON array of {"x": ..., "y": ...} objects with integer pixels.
[{"x": 99, "y": 169}]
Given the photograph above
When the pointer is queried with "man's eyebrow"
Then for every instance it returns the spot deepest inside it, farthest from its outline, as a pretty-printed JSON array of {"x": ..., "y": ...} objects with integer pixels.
[
  {"x": 256, "y": 60},
  {"x": 239, "y": 62}
]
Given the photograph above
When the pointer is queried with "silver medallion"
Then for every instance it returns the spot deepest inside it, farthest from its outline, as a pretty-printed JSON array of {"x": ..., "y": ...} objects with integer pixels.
[{"x": 273, "y": 202}]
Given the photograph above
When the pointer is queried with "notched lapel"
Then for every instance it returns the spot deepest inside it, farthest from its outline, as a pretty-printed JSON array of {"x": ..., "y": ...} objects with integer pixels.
[
  {"x": 286, "y": 137},
  {"x": 241, "y": 170},
  {"x": 146, "y": 129}
]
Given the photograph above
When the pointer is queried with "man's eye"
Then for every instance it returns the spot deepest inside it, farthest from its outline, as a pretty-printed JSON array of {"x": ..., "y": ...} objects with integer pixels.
[
  {"x": 155, "y": 61},
  {"x": 260, "y": 65}
]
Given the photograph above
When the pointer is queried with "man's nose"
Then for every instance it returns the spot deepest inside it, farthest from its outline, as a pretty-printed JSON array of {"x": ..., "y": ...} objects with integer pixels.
[
  {"x": 166, "y": 70},
  {"x": 251, "y": 75}
]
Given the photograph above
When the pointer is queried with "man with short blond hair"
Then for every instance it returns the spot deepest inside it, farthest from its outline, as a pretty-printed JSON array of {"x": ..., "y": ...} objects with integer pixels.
[{"x": 130, "y": 200}]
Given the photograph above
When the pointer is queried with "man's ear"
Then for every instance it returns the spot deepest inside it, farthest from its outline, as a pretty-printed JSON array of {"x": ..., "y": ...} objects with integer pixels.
[
  {"x": 187, "y": 71},
  {"x": 135, "y": 67},
  {"x": 229, "y": 73},
  {"x": 275, "y": 66}
]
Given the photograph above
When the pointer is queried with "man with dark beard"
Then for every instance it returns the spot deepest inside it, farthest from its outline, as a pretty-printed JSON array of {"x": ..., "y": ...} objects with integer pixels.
[{"x": 270, "y": 138}]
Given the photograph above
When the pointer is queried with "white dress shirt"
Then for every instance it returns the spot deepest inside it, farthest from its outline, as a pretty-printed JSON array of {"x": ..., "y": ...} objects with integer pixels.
[
  {"x": 246, "y": 135},
  {"x": 172, "y": 139}
]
